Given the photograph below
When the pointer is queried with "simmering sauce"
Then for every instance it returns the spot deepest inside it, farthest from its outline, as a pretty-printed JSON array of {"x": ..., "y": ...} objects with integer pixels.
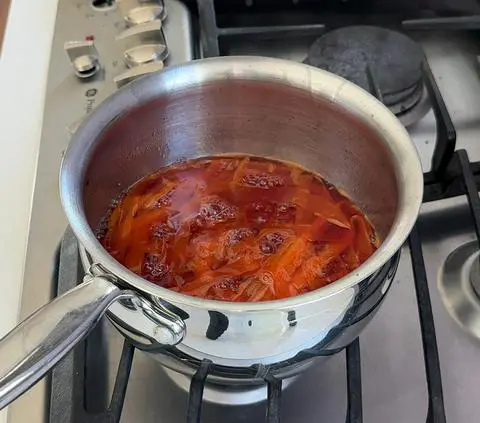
[{"x": 237, "y": 228}]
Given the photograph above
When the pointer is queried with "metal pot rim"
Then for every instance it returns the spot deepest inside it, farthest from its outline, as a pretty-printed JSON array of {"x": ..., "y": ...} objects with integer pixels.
[{"x": 319, "y": 83}]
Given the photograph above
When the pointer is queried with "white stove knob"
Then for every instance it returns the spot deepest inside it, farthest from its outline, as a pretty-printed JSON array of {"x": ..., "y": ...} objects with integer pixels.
[
  {"x": 144, "y": 54},
  {"x": 143, "y": 44},
  {"x": 84, "y": 58},
  {"x": 137, "y": 12},
  {"x": 144, "y": 14},
  {"x": 136, "y": 72}
]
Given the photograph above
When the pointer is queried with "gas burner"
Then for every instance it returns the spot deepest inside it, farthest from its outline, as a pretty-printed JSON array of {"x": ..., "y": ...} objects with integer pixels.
[
  {"x": 459, "y": 286},
  {"x": 394, "y": 61},
  {"x": 226, "y": 394}
]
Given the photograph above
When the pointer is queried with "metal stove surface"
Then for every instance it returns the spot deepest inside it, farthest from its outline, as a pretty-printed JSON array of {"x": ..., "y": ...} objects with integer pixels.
[{"x": 394, "y": 385}]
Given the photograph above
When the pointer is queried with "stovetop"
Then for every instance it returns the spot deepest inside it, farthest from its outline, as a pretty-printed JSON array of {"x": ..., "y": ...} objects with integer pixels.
[{"x": 394, "y": 384}]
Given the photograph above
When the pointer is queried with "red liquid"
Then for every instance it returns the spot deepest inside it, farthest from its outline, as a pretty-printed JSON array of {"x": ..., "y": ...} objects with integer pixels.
[{"x": 238, "y": 228}]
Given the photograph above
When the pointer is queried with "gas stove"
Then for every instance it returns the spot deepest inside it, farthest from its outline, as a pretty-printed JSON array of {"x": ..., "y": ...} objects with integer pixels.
[{"x": 413, "y": 363}]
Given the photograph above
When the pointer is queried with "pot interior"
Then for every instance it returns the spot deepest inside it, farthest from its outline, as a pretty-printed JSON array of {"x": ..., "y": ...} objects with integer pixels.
[{"x": 263, "y": 118}]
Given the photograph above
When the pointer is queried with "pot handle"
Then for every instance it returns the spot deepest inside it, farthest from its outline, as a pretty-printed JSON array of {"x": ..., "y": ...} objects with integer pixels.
[{"x": 40, "y": 341}]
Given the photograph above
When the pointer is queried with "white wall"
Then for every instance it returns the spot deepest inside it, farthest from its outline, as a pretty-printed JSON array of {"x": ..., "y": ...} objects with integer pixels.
[{"x": 23, "y": 70}]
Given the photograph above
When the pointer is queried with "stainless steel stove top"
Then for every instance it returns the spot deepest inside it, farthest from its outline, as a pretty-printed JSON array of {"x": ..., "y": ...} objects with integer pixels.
[{"x": 394, "y": 382}]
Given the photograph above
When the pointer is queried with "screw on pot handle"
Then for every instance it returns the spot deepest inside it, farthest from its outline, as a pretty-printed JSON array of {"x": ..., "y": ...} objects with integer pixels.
[{"x": 40, "y": 341}]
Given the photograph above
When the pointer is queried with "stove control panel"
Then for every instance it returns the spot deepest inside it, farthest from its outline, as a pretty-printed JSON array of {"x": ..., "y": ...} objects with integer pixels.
[
  {"x": 139, "y": 37},
  {"x": 102, "y": 45}
]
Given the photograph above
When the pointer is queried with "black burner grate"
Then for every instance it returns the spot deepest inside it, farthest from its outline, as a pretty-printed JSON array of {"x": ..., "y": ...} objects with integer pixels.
[{"x": 452, "y": 175}]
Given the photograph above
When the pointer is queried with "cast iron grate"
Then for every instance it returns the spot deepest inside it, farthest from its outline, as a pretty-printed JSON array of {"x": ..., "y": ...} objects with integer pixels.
[{"x": 452, "y": 175}]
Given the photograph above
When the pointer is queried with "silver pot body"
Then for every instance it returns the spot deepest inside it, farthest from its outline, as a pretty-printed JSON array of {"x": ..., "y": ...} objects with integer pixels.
[
  {"x": 284, "y": 341},
  {"x": 265, "y": 107}
]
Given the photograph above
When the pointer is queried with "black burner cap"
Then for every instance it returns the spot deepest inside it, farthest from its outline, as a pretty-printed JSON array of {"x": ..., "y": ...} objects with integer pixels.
[{"x": 394, "y": 59}]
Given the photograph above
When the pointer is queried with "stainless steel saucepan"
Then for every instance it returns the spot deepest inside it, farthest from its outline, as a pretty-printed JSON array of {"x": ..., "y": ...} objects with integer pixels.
[{"x": 259, "y": 106}]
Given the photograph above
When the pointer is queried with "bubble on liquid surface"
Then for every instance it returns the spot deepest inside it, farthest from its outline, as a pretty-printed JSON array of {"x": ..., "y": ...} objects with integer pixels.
[
  {"x": 234, "y": 236},
  {"x": 225, "y": 282},
  {"x": 270, "y": 243},
  {"x": 162, "y": 231},
  {"x": 263, "y": 181},
  {"x": 217, "y": 210},
  {"x": 260, "y": 212},
  {"x": 286, "y": 212},
  {"x": 166, "y": 199},
  {"x": 153, "y": 267}
]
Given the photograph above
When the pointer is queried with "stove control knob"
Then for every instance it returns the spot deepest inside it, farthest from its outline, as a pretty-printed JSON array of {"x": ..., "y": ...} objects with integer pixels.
[
  {"x": 84, "y": 58},
  {"x": 136, "y": 72},
  {"x": 144, "y": 43},
  {"x": 144, "y": 54},
  {"x": 137, "y": 12}
]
